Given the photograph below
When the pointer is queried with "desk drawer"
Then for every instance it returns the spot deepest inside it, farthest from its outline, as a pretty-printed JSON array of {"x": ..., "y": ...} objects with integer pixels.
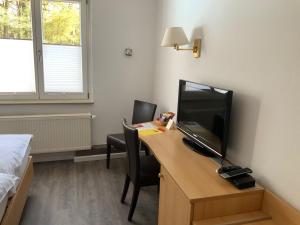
[
  {"x": 228, "y": 205},
  {"x": 174, "y": 207}
]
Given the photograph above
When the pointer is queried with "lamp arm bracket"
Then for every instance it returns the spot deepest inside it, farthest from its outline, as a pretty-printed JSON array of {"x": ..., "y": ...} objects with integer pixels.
[
  {"x": 196, "y": 48},
  {"x": 184, "y": 49}
]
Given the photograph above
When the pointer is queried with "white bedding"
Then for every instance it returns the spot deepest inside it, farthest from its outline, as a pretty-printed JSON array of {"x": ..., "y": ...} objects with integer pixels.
[
  {"x": 20, "y": 171},
  {"x": 3, "y": 204},
  {"x": 14, "y": 152}
]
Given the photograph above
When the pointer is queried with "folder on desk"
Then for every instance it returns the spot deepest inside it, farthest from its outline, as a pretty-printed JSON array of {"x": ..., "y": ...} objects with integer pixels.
[
  {"x": 148, "y": 132},
  {"x": 147, "y": 129}
]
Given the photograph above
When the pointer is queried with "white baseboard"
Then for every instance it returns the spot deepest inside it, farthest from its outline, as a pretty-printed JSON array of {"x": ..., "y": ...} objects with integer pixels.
[
  {"x": 49, "y": 157},
  {"x": 71, "y": 156},
  {"x": 99, "y": 157},
  {"x": 102, "y": 157}
]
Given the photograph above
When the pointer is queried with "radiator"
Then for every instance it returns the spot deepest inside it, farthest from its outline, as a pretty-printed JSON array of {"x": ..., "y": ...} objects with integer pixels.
[{"x": 52, "y": 133}]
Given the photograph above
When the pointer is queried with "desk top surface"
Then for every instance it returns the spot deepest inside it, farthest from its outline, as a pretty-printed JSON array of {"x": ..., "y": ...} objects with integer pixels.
[{"x": 194, "y": 174}]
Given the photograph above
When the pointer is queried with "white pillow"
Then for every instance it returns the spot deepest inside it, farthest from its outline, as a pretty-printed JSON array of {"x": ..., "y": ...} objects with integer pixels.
[
  {"x": 12, "y": 152},
  {"x": 7, "y": 185}
]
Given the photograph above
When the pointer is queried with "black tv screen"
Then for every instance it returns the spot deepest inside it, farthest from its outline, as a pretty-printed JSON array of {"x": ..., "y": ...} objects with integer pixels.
[{"x": 203, "y": 115}]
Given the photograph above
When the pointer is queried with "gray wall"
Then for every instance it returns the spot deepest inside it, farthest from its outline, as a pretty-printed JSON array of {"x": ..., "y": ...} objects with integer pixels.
[{"x": 253, "y": 48}]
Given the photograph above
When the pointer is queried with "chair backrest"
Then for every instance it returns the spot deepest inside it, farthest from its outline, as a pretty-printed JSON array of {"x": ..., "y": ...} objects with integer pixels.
[
  {"x": 143, "y": 112},
  {"x": 132, "y": 148}
]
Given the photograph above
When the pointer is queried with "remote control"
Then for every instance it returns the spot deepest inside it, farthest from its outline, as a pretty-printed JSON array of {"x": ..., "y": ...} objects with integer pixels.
[
  {"x": 225, "y": 169},
  {"x": 235, "y": 173}
]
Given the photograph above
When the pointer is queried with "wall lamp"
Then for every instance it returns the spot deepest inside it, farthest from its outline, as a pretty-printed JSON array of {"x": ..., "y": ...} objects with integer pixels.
[{"x": 175, "y": 37}]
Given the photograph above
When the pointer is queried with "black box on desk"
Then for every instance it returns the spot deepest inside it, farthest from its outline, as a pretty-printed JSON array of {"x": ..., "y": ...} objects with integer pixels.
[{"x": 243, "y": 181}]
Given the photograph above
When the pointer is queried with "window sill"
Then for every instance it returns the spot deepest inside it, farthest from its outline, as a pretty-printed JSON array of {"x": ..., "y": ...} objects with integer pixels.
[{"x": 33, "y": 102}]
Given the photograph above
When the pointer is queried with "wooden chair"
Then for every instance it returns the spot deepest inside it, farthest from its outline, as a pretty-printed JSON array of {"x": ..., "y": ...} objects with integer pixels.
[
  {"x": 141, "y": 171},
  {"x": 142, "y": 112}
]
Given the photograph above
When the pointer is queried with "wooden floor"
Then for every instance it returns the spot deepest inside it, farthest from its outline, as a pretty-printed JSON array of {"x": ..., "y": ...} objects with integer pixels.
[{"x": 86, "y": 193}]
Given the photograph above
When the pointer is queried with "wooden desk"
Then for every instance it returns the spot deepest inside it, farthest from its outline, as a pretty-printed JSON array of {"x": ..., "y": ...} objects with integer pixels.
[{"x": 191, "y": 192}]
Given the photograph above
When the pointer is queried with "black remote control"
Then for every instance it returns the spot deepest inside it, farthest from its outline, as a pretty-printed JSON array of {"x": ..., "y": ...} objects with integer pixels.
[{"x": 235, "y": 173}]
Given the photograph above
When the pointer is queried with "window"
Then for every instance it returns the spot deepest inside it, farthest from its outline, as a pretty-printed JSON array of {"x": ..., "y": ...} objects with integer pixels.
[{"x": 43, "y": 49}]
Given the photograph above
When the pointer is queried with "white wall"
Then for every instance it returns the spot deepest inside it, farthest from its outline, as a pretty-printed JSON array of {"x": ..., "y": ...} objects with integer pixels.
[
  {"x": 118, "y": 79},
  {"x": 253, "y": 48}
]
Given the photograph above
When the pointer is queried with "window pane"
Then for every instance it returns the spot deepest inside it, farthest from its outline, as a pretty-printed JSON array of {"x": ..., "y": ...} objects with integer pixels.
[
  {"x": 62, "y": 51},
  {"x": 16, "y": 47},
  {"x": 62, "y": 66}
]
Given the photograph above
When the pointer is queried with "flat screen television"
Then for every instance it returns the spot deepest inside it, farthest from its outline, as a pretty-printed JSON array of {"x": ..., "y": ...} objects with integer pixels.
[{"x": 203, "y": 115}]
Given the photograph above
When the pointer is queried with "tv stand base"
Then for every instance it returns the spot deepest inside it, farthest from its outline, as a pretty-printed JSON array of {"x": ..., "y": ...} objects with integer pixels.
[{"x": 197, "y": 148}]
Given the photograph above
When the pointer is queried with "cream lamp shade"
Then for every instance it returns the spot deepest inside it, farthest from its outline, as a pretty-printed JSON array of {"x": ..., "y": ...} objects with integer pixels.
[{"x": 174, "y": 36}]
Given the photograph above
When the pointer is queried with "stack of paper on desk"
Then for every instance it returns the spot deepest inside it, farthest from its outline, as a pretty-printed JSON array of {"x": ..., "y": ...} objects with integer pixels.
[{"x": 146, "y": 129}]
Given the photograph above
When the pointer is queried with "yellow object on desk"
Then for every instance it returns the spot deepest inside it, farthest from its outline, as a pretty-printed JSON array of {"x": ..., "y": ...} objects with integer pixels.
[{"x": 148, "y": 132}]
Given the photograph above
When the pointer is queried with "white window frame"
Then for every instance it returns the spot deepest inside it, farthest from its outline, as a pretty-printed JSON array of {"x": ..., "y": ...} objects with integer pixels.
[{"x": 40, "y": 96}]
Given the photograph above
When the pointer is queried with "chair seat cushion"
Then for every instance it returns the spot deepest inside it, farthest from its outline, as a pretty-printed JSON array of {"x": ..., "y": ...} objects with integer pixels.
[
  {"x": 149, "y": 170},
  {"x": 117, "y": 140}
]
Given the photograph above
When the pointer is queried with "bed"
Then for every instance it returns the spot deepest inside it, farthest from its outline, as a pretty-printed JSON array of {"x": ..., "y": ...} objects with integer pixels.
[
  {"x": 15, "y": 160},
  {"x": 3, "y": 204}
]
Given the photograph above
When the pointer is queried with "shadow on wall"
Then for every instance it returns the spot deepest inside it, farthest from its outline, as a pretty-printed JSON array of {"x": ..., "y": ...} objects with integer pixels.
[
  {"x": 198, "y": 33},
  {"x": 244, "y": 119}
]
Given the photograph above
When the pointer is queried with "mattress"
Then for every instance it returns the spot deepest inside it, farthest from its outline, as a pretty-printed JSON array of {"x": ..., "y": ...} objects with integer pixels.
[
  {"x": 3, "y": 205},
  {"x": 19, "y": 172}
]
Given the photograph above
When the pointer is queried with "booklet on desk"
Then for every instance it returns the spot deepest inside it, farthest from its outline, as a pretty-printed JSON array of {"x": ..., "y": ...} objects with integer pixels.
[{"x": 146, "y": 129}]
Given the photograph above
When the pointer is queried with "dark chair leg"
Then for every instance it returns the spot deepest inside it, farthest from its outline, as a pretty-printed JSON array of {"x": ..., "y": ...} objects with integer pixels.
[
  {"x": 125, "y": 188},
  {"x": 135, "y": 196},
  {"x": 108, "y": 151}
]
